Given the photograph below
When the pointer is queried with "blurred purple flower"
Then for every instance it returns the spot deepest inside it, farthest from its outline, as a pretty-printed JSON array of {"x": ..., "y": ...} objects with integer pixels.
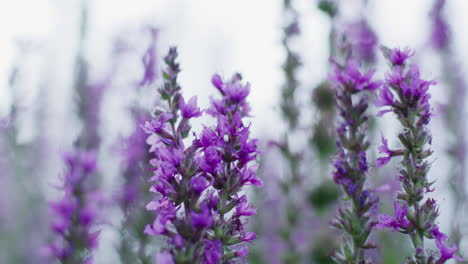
[
  {"x": 363, "y": 41},
  {"x": 149, "y": 60},
  {"x": 440, "y": 28},
  {"x": 76, "y": 215}
]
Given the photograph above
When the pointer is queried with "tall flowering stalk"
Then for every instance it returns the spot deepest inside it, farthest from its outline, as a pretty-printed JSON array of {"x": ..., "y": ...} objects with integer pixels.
[
  {"x": 406, "y": 95},
  {"x": 135, "y": 246},
  {"x": 75, "y": 217},
  {"x": 199, "y": 208},
  {"x": 292, "y": 63},
  {"x": 454, "y": 115},
  {"x": 350, "y": 162},
  {"x": 75, "y": 214},
  {"x": 290, "y": 113}
]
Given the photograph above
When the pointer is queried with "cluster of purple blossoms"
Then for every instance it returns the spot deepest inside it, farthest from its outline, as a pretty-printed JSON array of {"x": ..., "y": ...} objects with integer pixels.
[
  {"x": 75, "y": 214},
  {"x": 351, "y": 163},
  {"x": 363, "y": 41},
  {"x": 407, "y": 96},
  {"x": 199, "y": 208}
]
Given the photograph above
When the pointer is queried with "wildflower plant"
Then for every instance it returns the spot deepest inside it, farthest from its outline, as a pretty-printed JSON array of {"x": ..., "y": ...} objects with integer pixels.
[
  {"x": 200, "y": 208},
  {"x": 75, "y": 215},
  {"x": 453, "y": 114},
  {"x": 350, "y": 164},
  {"x": 135, "y": 246},
  {"x": 406, "y": 95}
]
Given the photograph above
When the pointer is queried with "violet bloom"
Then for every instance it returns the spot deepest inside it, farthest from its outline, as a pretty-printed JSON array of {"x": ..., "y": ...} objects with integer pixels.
[
  {"x": 384, "y": 149},
  {"x": 440, "y": 28},
  {"x": 410, "y": 104},
  {"x": 363, "y": 41},
  {"x": 351, "y": 79},
  {"x": 76, "y": 213},
  {"x": 149, "y": 60},
  {"x": 189, "y": 109},
  {"x": 199, "y": 208},
  {"x": 350, "y": 162},
  {"x": 397, "y": 222}
]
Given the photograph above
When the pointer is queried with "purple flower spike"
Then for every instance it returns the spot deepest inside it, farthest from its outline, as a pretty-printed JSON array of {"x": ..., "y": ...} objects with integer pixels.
[
  {"x": 198, "y": 184},
  {"x": 77, "y": 213},
  {"x": 440, "y": 34},
  {"x": 351, "y": 162},
  {"x": 410, "y": 104}
]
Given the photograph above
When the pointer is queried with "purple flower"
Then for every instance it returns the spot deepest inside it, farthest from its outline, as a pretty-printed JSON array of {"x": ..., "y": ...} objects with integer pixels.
[
  {"x": 211, "y": 160},
  {"x": 446, "y": 253},
  {"x": 397, "y": 222},
  {"x": 243, "y": 208},
  {"x": 217, "y": 81},
  {"x": 242, "y": 252},
  {"x": 75, "y": 216},
  {"x": 350, "y": 164},
  {"x": 236, "y": 91},
  {"x": 363, "y": 40},
  {"x": 249, "y": 176},
  {"x": 385, "y": 150},
  {"x": 166, "y": 214},
  {"x": 164, "y": 257},
  {"x": 352, "y": 79},
  {"x": 190, "y": 109},
  {"x": 249, "y": 236},
  {"x": 204, "y": 219},
  {"x": 149, "y": 60},
  {"x": 156, "y": 126},
  {"x": 213, "y": 251},
  {"x": 398, "y": 57},
  {"x": 440, "y": 28},
  {"x": 198, "y": 184},
  {"x": 385, "y": 98},
  {"x": 411, "y": 107}
]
